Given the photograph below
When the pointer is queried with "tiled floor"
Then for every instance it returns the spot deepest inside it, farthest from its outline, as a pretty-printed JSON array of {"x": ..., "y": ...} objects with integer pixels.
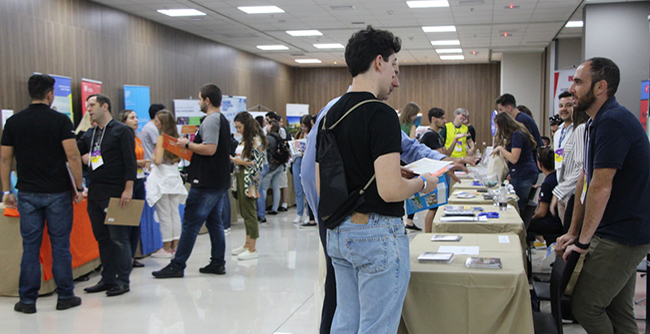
[{"x": 276, "y": 293}]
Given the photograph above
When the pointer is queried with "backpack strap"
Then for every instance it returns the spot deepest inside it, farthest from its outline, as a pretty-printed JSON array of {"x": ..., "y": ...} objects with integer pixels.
[{"x": 346, "y": 113}]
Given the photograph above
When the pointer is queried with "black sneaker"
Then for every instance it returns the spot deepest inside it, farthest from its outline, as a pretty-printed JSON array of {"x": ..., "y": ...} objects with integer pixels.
[
  {"x": 282, "y": 209},
  {"x": 308, "y": 224},
  {"x": 413, "y": 227},
  {"x": 25, "y": 308},
  {"x": 168, "y": 272},
  {"x": 137, "y": 264},
  {"x": 212, "y": 268},
  {"x": 271, "y": 212},
  {"x": 262, "y": 220},
  {"x": 64, "y": 304}
]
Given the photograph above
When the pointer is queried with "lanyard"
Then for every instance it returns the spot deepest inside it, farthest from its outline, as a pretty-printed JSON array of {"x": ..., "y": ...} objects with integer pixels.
[
  {"x": 92, "y": 139},
  {"x": 563, "y": 134},
  {"x": 587, "y": 161}
]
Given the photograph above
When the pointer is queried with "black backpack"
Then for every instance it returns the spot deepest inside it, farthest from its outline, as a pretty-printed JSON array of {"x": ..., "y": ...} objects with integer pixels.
[
  {"x": 281, "y": 154},
  {"x": 336, "y": 202}
]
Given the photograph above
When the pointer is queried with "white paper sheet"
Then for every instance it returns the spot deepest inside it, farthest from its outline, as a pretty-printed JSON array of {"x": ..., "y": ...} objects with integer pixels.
[
  {"x": 426, "y": 165},
  {"x": 459, "y": 250}
]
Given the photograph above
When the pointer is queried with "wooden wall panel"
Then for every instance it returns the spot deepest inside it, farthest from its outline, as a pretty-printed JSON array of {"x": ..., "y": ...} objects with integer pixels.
[
  {"x": 473, "y": 87},
  {"x": 82, "y": 39}
]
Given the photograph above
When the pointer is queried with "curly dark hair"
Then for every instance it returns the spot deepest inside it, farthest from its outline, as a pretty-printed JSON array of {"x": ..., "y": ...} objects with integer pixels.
[{"x": 365, "y": 45}]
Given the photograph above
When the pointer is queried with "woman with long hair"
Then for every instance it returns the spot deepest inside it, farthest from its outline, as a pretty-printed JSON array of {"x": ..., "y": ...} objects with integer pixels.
[
  {"x": 517, "y": 146},
  {"x": 130, "y": 118},
  {"x": 248, "y": 167},
  {"x": 165, "y": 188},
  {"x": 407, "y": 118},
  {"x": 306, "y": 123}
]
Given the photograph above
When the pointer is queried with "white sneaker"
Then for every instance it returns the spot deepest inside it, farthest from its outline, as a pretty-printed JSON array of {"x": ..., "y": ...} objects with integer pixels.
[
  {"x": 239, "y": 250},
  {"x": 247, "y": 255},
  {"x": 226, "y": 231},
  {"x": 297, "y": 220},
  {"x": 161, "y": 253}
]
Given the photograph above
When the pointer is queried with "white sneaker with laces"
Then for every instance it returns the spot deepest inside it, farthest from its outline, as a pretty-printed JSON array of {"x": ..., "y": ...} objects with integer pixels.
[
  {"x": 297, "y": 220},
  {"x": 247, "y": 255},
  {"x": 239, "y": 250},
  {"x": 162, "y": 253}
]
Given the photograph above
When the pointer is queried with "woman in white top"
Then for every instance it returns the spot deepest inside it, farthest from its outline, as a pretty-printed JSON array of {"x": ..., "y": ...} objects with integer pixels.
[{"x": 165, "y": 188}]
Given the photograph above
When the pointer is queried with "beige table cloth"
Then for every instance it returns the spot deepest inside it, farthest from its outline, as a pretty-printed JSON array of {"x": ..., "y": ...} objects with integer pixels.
[
  {"x": 478, "y": 199},
  {"x": 454, "y": 299}
]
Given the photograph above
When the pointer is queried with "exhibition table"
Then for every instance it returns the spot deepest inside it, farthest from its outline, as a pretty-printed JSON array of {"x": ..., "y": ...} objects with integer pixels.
[
  {"x": 477, "y": 198},
  {"x": 85, "y": 254},
  {"x": 451, "y": 298}
]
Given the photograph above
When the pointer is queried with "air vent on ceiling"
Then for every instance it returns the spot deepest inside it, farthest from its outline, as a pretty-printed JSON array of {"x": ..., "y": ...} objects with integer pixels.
[
  {"x": 297, "y": 54},
  {"x": 344, "y": 7},
  {"x": 470, "y": 2},
  {"x": 240, "y": 35},
  {"x": 358, "y": 22}
]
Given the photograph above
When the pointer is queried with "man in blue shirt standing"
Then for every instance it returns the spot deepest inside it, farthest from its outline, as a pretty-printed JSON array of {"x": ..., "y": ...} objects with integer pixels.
[
  {"x": 507, "y": 103},
  {"x": 611, "y": 218},
  {"x": 412, "y": 151}
]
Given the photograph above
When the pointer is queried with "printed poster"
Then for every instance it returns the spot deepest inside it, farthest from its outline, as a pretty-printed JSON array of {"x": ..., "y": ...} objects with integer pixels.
[
  {"x": 88, "y": 87},
  {"x": 62, "y": 95},
  {"x": 137, "y": 98},
  {"x": 562, "y": 81},
  {"x": 294, "y": 113}
]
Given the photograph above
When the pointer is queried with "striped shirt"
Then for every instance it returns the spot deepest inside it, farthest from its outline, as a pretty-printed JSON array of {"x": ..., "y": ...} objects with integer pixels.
[{"x": 568, "y": 176}]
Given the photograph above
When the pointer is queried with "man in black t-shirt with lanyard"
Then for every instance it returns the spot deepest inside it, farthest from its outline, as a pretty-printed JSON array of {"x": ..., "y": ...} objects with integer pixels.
[
  {"x": 42, "y": 140},
  {"x": 434, "y": 141},
  {"x": 369, "y": 287}
]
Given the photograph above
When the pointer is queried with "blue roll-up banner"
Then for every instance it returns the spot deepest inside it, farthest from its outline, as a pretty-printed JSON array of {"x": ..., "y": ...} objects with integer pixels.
[
  {"x": 137, "y": 98},
  {"x": 62, "y": 95}
]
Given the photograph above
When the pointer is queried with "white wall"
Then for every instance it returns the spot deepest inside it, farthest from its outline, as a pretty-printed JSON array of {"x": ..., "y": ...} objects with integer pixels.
[
  {"x": 620, "y": 32},
  {"x": 521, "y": 76},
  {"x": 569, "y": 53}
]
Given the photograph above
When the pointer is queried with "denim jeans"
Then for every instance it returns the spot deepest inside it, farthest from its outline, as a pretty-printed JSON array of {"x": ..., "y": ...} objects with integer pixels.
[
  {"x": 225, "y": 214},
  {"x": 297, "y": 185},
  {"x": 261, "y": 201},
  {"x": 202, "y": 205},
  {"x": 272, "y": 179},
  {"x": 114, "y": 243},
  {"x": 372, "y": 268},
  {"x": 523, "y": 184},
  {"x": 36, "y": 209}
]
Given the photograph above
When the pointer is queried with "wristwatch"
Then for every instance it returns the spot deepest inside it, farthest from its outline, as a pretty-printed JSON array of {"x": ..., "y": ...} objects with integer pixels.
[
  {"x": 581, "y": 246},
  {"x": 80, "y": 189},
  {"x": 425, "y": 183},
  {"x": 187, "y": 145},
  {"x": 7, "y": 192}
]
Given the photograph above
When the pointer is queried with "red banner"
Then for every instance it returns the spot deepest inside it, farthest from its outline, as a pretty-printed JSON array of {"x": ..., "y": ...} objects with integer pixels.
[{"x": 88, "y": 87}]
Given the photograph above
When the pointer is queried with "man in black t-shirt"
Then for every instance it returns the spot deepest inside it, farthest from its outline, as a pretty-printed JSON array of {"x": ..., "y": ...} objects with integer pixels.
[
  {"x": 434, "y": 141},
  {"x": 369, "y": 140},
  {"x": 543, "y": 222},
  {"x": 42, "y": 140}
]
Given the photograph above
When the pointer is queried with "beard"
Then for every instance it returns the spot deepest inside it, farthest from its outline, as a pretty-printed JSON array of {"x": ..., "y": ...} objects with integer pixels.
[{"x": 585, "y": 102}]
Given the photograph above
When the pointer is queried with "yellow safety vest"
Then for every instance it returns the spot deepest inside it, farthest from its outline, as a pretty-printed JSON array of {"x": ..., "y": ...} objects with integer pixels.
[{"x": 461, "y": 145}]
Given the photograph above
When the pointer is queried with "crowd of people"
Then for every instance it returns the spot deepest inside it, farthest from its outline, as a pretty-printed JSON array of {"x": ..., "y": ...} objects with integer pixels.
[{"x": 593, "y": 166}]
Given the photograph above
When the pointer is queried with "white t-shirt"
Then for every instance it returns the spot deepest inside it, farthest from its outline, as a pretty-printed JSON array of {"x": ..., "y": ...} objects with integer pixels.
[{"x": 560, "y": 139}]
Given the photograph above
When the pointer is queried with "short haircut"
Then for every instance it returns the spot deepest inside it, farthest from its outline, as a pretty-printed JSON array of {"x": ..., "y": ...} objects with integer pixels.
[
  {"x": 101, "y": 99},
  {"x": 273, "y": 115},
  {"x": 605, "y": 69},
  {"x": 461, "y": 111},
  {"x": 365, "y": 45},
  {"x": 546, "y": 140},
  {"x": 39, "y": 85},
  {"x": 507, "y": 100},
  {"x": 525, "y": 110},
  {"x": 564, "y": 94},
  {"x": 155, "y": 108},
  {"x": 546, "y": 158},
  {"x": 436, "y": 112},
  {"x": 212, "y": 92}
]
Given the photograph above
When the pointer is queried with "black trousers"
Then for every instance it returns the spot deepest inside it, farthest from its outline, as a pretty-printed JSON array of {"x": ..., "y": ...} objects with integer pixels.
[
  {"x": 329, "y": 302},
  {"x": 114, "y": 244}
]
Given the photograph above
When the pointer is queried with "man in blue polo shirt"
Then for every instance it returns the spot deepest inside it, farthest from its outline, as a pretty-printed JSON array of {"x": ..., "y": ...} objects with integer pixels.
[
  {"x": 507, "y": 103},
  {"x": 611, "y": 218}
]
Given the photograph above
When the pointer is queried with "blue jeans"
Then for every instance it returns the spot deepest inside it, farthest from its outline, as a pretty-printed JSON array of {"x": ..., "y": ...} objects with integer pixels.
[
  {"x": 36, "y": 209},
  {"x": 261, "y": 201},
  {"x": 523, "y": 184},
  {"x": 225, "y": 214},
  {"x": 202, "y": 205},
  {"x": 297, "y": 186},
  {"x": 372, "y": 268},
  {"x": 114, "y": 243},
  {"x": 272, "y": 179}
]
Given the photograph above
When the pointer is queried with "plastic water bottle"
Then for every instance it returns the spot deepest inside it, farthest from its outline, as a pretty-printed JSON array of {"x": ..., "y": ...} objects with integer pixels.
[{"x": 503, "y": 197}]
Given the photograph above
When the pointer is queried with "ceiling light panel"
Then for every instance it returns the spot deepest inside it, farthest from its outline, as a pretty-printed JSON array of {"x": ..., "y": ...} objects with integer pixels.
[
  {"x": 446, "y": 42},
  {"x": 260, "y": 9},
  {"x": 272, "y": 47},
  {"x": 574, "y": 24},
  {"x": 181, "y": 12},
  {"x": 308, "y": 61},
  {"x": 439, "y": 29},
  {"x": 428, "y": 4},
  {"x": 329, "y": 46},
  {"x": 449, "y": 50},
  {"x": 454, "y": 57},
  {"x": 303, "y": 33}
]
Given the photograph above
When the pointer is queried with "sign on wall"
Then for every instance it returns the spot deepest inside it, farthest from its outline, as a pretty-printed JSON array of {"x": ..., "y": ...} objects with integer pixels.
[
  {"x": 62, "y": 95},
  {"x": 189, "y": 113},
  {"x": 294, "y": 113},
  {"x": 137, "y": 98},
  {"x": 88, "y": 87},
  {"x": 562, "y": 82}
]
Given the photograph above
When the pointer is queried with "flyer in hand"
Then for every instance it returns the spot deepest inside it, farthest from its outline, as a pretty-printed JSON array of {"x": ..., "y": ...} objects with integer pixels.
[
  {"x": 169, "y": 143},
  {"x": 434, "y": 199}
]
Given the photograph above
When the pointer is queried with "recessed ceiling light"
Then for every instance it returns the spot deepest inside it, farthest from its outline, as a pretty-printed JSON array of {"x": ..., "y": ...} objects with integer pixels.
[
  {"x": 449, "y": 50},
  {"x": 342, "y": 7},
  {"x": 299, "y": 33},
  {"x": 511, "y": 6},
  {"x": 474, "y": 53},
  {"x": 439, "y": 28},
  {"x": 428, "y": 4},
  {"x": 308, "y": 61},
  {"x": 574, "y": 24},
  {"x": 272, "y": 47},
  {"x": 454, "y": 57},
  {"x": 260, "y": 9},
  {"x": 329, "y": 46},
  {"x": 180, "y": 12},
  {"x": 506, "y": 34},
  {"x": 446, "y": 42}
]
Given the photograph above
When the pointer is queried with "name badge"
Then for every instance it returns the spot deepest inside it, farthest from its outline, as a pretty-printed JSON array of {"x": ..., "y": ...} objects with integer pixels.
[
  {"x": 140, "y": 174},
  {"x": 584, "y": 190},
  {"x": 96, "y": 159},
  {"x": 459, "y": 147},
  {"x": 559, "y": 154}
]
